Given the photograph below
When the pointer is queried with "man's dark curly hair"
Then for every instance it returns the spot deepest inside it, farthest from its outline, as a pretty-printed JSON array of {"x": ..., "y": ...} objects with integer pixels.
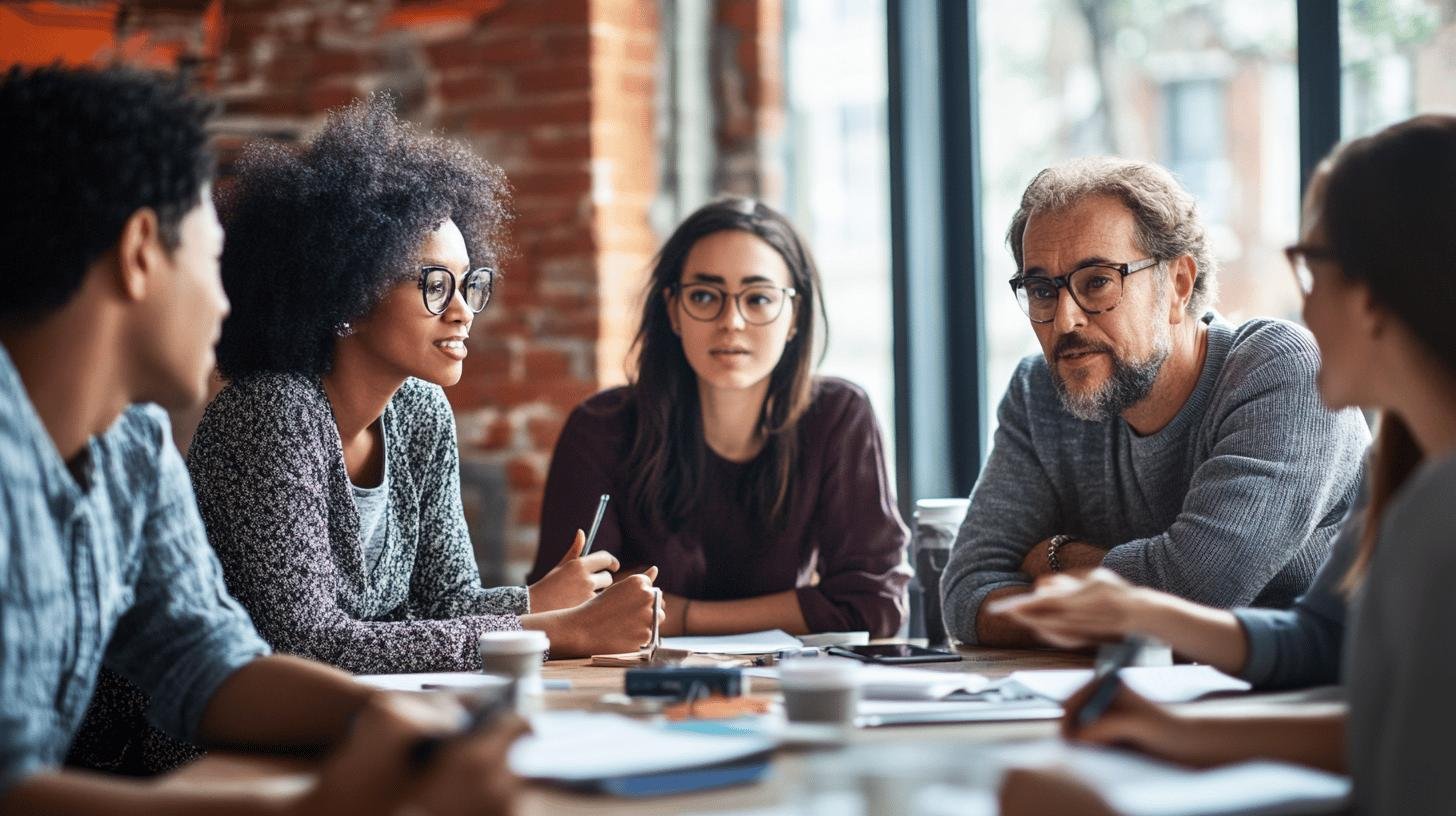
[
  {"x": 81, "y": 151},
  {"x": 318, "y": 233}
]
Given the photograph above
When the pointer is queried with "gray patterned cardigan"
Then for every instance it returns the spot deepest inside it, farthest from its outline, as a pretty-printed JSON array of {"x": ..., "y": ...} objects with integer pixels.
[{"x": 269, "y": 472}]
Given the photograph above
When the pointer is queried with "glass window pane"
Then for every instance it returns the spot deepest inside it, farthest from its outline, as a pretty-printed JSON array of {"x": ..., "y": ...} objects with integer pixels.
[
  {"x": 838, "y": 183},
  {"x": 1397, "y": 59},
  {"x": 1208, "y": 89}
]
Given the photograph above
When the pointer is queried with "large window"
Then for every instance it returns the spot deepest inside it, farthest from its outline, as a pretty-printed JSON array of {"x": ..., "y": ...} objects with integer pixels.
[
  {"x": 1397, "y": 58},
  {"x": 838, "y": 182},
  {"x": 1206, "y": 88}
]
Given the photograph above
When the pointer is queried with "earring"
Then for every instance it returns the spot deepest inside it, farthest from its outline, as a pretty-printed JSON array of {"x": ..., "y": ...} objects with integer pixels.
[{"x": 343, "y": 329}]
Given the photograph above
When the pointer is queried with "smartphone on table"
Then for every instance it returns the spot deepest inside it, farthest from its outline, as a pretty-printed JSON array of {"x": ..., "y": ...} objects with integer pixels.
[{"x": 893, "y": 653}]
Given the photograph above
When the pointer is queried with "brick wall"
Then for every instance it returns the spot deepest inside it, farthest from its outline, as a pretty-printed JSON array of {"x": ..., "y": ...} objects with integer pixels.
[
  {"x": 748, "y": 89},
  {"x": 559, "y": 93}
]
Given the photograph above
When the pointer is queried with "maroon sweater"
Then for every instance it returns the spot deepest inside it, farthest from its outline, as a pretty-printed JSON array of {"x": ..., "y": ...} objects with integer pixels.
[{"x": 842, "y": 545}]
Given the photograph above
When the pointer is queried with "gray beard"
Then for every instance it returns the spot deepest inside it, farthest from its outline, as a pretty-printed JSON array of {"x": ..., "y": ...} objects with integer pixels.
[{"x": 1130, "y": 383}]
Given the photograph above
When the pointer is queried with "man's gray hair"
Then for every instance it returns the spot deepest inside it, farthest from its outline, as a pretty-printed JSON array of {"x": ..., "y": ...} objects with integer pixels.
[{"x": 1165, "y": 215}]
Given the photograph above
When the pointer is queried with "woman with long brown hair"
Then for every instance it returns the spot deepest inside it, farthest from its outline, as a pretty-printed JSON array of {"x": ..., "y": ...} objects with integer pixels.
[
  {"x": 1375, "y": 264},
  {"x": 757, "y": 488}
]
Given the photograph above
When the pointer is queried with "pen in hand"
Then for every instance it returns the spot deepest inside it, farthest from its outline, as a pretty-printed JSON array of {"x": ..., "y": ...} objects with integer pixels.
[
  {"x": 1106, "y": 683},
  {"x": 596, "y": 523}
]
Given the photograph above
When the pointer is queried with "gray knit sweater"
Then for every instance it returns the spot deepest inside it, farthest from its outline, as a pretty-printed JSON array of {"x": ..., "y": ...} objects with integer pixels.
[
  {"x": 1234, "y": 503},
  {"x": 1398, "y": 665},
  {"x": 269, "y": 473}
]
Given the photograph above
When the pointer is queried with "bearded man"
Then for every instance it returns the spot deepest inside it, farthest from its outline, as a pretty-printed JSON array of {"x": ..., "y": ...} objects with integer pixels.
[{"x": 1150, "y": 437}]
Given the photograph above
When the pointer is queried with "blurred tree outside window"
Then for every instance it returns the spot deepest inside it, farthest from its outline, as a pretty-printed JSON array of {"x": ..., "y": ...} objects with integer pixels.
[{"x": 1397, "y": 59}]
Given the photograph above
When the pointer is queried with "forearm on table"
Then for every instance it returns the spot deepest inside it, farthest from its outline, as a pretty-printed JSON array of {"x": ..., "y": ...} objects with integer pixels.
[
  {"x": 282, "y": 702},
  {"x": 72, "y": 793},
  {"x": 1200, "y": 633},
  {"x": 779, "y": 610}
]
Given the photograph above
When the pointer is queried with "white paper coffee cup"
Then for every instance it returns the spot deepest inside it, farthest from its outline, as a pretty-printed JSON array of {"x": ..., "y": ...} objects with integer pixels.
[{"x": 820, "y": 690}]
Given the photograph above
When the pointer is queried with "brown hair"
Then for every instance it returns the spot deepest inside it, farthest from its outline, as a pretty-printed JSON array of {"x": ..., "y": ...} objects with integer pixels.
[
  {"x": 1387, "y": 203},
  {"x": 668, "y": 453},
  {"x": 1165, "y": 216}
]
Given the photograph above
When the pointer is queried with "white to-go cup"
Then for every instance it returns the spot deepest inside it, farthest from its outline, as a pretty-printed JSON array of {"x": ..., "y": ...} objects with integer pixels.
[
  {"x": 820, "y": 690},
  {"x": 516, "y": 656}
]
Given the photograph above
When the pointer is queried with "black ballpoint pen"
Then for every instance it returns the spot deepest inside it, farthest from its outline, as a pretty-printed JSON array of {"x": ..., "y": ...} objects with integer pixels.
[{"x": 1107, "y": 682}]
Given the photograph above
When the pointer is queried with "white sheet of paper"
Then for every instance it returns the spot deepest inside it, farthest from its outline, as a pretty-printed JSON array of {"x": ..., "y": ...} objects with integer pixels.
[
  {"x": 874, "y": 713},
  {"x": 903, "y": 683},
  {"x": 773, "y": 640},
  {"x": 1136, "y": 785},
  {"x": 430, "y": 680},
  {"x": 577, "y": 746},
  {"x": 1161, "y": 684}
]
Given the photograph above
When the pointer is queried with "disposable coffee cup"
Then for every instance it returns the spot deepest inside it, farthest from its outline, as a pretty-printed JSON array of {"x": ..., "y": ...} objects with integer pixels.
[
  {"x": 517, "y": 656},
  {"x": 823, "y": 690}
]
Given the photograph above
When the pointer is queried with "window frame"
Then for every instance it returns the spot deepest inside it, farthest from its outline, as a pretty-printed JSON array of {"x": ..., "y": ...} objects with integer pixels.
[{"x": 935, "y": 240}]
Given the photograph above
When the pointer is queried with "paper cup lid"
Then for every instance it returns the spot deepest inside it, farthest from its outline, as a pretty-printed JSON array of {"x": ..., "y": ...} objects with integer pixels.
[
  {"x": 525, "y": 641},
  {"x": 942, "y": 509},
  {"x": 819, "y": 673}
]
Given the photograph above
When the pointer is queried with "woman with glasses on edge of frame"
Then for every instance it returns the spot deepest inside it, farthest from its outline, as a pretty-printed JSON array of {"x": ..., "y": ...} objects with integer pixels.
[
  {"x": 757, "y": 488},
  {"x": 1373, "y": 265}
]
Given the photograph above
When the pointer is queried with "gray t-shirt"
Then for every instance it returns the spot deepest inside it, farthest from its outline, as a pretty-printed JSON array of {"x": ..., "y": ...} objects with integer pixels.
[
  {"x": 373, "y": 504},
  {"x": 1400, "y": 670},
  {"x": 1233, "y": 503}
]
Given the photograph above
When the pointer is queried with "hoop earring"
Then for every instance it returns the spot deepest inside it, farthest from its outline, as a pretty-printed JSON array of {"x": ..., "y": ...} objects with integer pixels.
[{"x": 343, "y": 329}]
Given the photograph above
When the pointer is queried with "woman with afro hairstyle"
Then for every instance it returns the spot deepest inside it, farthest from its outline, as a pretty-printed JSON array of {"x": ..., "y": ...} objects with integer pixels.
[{"x": 327, "y": 470}]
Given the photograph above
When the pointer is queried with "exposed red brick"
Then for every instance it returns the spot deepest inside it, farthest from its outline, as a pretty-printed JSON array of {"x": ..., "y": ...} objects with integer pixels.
[
  {"x": 545, "y": 431},
  {"x": 554, "y": 91},
  {"x": 525, "y": 472},
  {"x": 477, "y": 87},
  {"x": 547, "y": 362},
  {"x": 556, "y": 76},
  {"x": 528, "y": 509}
]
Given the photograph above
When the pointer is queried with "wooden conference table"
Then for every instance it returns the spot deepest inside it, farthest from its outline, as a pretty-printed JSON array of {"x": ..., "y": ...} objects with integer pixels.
[{"x": 589, "y": 683}]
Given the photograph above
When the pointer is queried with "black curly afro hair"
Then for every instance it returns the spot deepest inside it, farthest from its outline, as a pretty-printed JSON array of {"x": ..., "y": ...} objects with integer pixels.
[
  {"x": 318, "y": 233},
  {"x": 81, "y": 151}
]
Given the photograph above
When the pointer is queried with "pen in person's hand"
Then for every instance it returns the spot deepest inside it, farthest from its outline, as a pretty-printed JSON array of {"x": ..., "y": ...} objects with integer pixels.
[
  {"x": 1107, "y": 682},
  {"x": 596, "y": 522},
  {"x": 656, "y": 638}
]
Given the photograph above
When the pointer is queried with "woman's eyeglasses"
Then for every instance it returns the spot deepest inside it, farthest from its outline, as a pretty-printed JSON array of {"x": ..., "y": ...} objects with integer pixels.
[
  {"x": 437, "y": 287},
  {"x": 759, "y": 304},
  {"x": 1299, "y": 256}
]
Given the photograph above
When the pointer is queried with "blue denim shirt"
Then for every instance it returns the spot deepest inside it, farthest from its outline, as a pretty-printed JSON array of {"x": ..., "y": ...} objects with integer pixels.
[{"x": 113, "y": 571}]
